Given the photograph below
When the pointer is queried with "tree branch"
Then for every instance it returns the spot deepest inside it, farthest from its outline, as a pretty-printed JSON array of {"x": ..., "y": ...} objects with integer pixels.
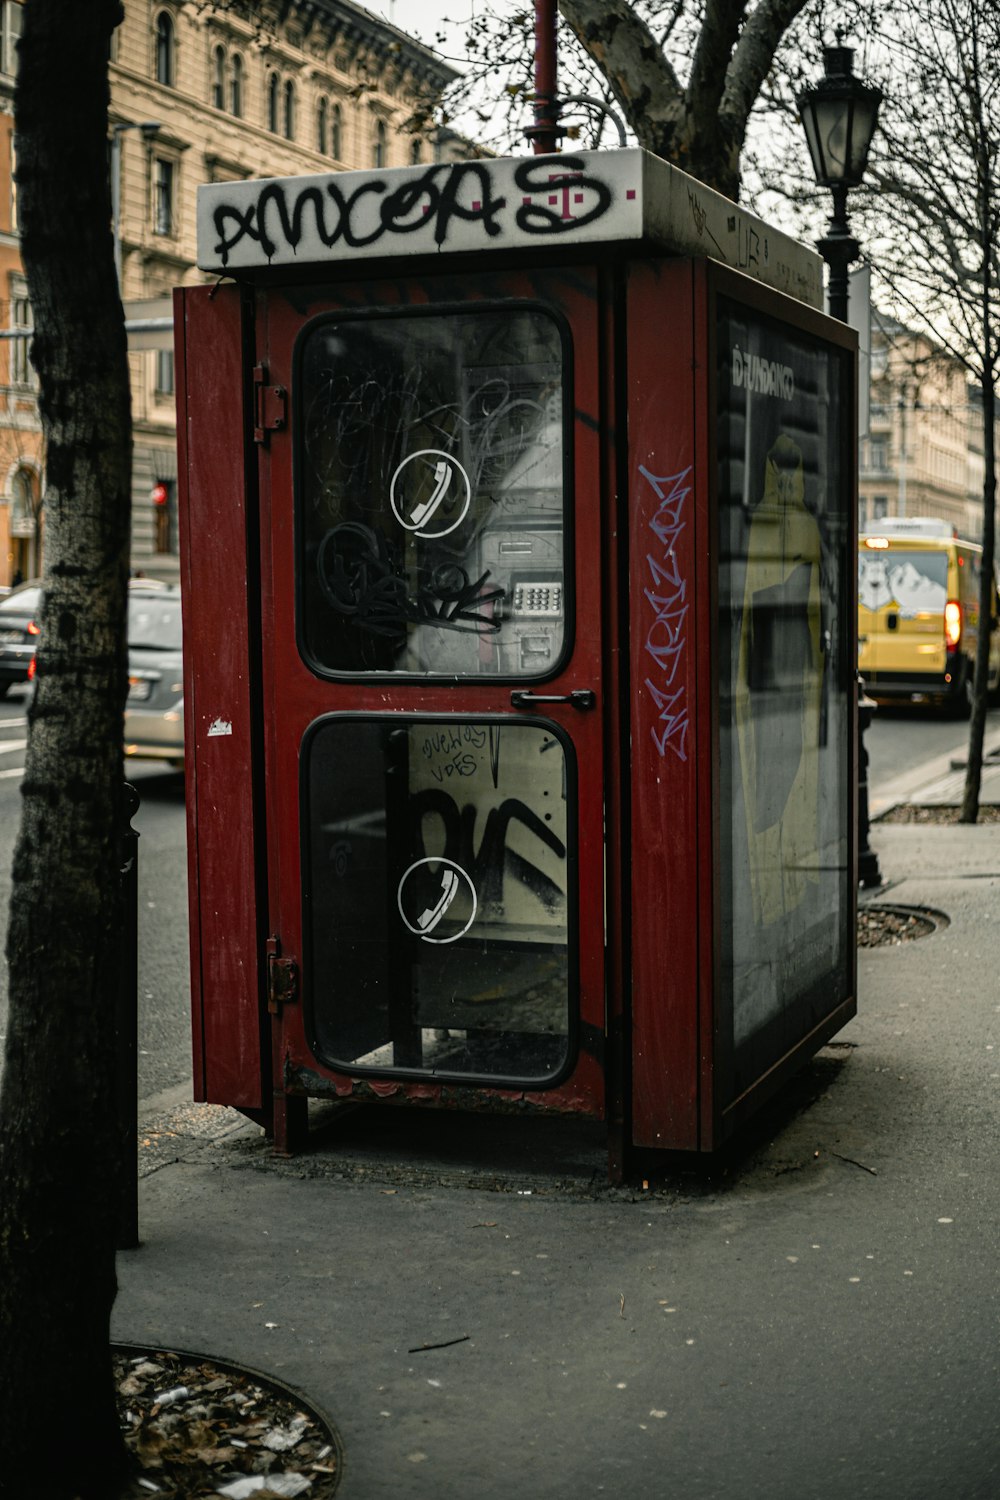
[
  {"x": 754, "y": 55},
  {"x": 638, "y": 71}
]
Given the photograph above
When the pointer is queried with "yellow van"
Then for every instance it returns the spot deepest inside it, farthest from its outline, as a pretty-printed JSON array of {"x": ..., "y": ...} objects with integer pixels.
[{"x": 918, "y": 613}]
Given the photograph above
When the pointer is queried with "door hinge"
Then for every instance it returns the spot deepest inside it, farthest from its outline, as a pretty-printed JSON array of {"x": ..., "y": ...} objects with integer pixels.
[
  {"x": 282, "y": 978},
  {"x": 269, "y": 405}
]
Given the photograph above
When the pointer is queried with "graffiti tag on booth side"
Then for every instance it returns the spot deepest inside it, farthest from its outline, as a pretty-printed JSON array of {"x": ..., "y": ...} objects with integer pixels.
[{"x": 666, "y": 637}]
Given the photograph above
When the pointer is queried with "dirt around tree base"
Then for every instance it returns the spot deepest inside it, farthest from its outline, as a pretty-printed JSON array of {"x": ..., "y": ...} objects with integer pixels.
[
  {"x": 880, "y": 926},
  {"x": 196, "y": 1428},
  {"x": 913, "y": 812}
]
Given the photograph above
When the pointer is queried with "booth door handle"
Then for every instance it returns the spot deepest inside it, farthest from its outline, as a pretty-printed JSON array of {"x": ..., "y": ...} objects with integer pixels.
[{"x": 582, "y": 698}]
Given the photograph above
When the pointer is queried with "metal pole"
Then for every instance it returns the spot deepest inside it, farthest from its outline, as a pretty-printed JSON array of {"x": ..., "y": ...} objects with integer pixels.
[
  {"x": 545, "y": 131},
  {"x": 127, "y": 1025},
  {"x": 840, "y": 250},
  {"x": 869, "y": 874}
]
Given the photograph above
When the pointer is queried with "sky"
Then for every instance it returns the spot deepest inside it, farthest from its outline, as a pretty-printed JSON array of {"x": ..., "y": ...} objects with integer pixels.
[{"x": 423, "y": 18}]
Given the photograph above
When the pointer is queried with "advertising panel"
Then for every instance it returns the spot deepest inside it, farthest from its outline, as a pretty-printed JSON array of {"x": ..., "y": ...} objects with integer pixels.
[{"x": 785, "y": 679}]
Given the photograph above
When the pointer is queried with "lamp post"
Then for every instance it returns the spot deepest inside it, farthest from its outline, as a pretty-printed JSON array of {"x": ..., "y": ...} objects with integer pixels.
[
  {"x": 149, "y": 129},
  {"x": 839, "y": 115}
]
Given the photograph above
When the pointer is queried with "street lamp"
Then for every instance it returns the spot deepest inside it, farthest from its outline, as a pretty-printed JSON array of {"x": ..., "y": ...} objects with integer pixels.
[
  {"x": 149, "y": 129},
  {"x": 839, "y": 115}
]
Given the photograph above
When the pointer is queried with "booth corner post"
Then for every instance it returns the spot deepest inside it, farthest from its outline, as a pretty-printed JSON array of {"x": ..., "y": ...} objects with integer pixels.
[{"x": 839, "y": 115}]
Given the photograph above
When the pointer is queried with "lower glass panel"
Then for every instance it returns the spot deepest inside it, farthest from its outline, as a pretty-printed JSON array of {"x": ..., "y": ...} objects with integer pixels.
[{"x": 437, "y": 897}]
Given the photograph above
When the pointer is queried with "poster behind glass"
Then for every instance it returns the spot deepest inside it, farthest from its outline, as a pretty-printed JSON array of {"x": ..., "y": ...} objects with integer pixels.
[{"x": 785, "y": 683}]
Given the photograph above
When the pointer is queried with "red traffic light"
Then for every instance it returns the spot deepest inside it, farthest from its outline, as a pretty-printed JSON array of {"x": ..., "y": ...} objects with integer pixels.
[{"x": 160, "y": 494}]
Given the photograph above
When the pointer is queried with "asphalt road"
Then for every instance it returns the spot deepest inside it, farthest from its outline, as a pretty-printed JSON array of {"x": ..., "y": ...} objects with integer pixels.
[
  {"x": 164, "y": 983},
  {"x": 898, "y": 741}
]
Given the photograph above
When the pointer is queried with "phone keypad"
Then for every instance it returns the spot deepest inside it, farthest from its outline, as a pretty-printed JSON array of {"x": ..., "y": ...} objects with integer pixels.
[{"x": 538, "y": 599}]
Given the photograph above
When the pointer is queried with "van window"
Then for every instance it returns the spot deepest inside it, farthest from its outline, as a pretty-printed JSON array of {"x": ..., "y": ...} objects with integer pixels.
[{"x": 917, "y": 581}]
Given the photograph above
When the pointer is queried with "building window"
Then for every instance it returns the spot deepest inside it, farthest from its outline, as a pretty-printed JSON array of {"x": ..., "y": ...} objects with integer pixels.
[
  {"x": 163, "y": 196},
  {"x": 164, "y": 49},
  {"x": 21, "y": 369},
  {"x": 236, "y": 86},
  {"x": 878, "y": 452},
  {"x": 289, "y": 110},
  {"x": 321, "y": 125},
  {"x": 336, "y": 128},
  {"x": 416, "y": 153},
  {"x": 10, "y": 31},
  {"x": 164, "y": 384},
  {"x": 272, "y": 103},
  {"x": 880, "y": 507},
  {"x": 379, "y": 153},
  {"x": 219, "y": 78}
]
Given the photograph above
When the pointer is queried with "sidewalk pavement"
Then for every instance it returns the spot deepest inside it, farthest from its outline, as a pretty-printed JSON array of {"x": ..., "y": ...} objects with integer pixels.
[{"x": 818, "y": 1321}]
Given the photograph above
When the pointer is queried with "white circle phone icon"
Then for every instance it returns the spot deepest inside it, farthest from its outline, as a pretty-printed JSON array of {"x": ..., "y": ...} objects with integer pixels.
[{"x": 425, "y": 898}]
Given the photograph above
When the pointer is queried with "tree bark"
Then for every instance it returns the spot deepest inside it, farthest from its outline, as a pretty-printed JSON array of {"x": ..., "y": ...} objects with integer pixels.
[
  {"x": 700, "y": 127},
  {"x": 987, "y": 589},
  {"x": 60, "y": 1143},
  {"x": 986, "y": 225}
]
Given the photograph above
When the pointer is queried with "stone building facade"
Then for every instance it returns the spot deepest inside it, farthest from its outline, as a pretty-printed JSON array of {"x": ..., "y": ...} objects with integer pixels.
[
  {"x": 200, "y": 93},
  {"x": 923, "y": 455}
]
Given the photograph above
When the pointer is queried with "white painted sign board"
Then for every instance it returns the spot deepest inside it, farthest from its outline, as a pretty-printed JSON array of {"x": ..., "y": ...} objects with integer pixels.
[{"x": 626, "y": 197}]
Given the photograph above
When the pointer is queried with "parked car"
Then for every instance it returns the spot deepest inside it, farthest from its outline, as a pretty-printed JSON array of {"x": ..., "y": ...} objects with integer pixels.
[
  {"x": 154, "y": 712},
  {"x": 19, "y": 613}
]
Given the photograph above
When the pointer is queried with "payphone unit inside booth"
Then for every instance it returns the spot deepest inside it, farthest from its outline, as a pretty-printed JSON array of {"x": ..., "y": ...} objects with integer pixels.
[{"x": 518, "y": 531}]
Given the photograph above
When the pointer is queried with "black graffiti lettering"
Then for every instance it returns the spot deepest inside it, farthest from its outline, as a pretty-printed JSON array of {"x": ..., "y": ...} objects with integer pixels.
[
  {"x": 225, "y": 214},
  {"x": 278, "y": 216},
  {"x": 487, "y": 865},
  {"x": 459, "y": 765},
  {"x": 273, "y": 201},
  {"x": 442, "y": 741},
  {"x": 549, "y": 175},
  {"x": 361, "y": 575},
  {"x": 347, "y": 206},
  {"x": 451, "y": 208}
]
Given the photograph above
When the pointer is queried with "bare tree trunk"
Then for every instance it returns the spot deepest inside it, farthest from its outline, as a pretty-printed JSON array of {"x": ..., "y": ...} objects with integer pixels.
[
  {"x": 987, "y": 591},
  {"x": 60, "y": 1156},
  {"x": 986, "y": 220}
]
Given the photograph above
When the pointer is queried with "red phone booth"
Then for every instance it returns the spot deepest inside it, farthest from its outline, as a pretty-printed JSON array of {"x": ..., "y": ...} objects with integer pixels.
[{"x": 518, "y": 563}]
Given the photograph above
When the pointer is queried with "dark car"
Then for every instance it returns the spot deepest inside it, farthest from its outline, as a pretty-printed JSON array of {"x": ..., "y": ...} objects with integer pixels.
[
  {"x": 154, "y": 712},
  {"x": 19, "y": 622}
]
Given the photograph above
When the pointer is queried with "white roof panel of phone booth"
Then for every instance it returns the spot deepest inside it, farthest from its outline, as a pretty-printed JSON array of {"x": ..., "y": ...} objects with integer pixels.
[{"x": 498, "y": 204}]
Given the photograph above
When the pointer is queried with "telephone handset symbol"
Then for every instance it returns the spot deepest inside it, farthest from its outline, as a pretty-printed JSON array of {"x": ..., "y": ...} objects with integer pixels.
[
  {"x": 430, "y": 918},
  {"x": 442, "y": 482},
  {"x": 448, "y": 880},
  {"x": 449, "y": 479}
]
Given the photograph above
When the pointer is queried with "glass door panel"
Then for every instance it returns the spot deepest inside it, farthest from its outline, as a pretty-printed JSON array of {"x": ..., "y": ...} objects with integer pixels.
[
  {"x": 432, "y": 475},
  {"x": 438, "y": 880}
]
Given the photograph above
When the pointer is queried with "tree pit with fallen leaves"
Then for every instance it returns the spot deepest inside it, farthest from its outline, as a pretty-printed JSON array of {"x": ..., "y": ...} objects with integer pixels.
[{"x": 197, "y": 1428}]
